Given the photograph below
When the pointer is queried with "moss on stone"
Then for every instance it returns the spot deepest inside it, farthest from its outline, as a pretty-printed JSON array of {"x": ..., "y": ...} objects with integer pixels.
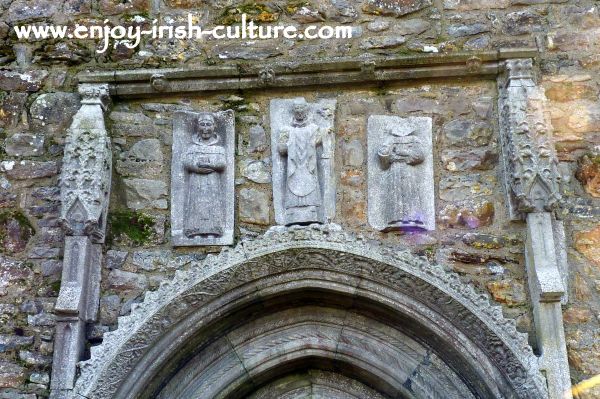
[
  {"x": 134, "y": 225},
  {"x": 294, "y": 5},
  {"x": 25, "y": 232},
  {"x": 254, "y": 11}
]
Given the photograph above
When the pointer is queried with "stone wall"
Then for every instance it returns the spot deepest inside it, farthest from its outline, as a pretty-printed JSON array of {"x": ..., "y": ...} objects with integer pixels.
[{"x": 473, "y": 237}]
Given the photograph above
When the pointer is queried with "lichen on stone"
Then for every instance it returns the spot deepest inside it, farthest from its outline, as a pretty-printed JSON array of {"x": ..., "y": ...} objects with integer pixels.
[{"x": 256, "y": 12}]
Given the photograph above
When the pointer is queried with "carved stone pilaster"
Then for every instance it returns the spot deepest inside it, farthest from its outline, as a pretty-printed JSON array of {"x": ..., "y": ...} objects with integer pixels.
[
  {"x": 86, "y": 172},
  {"x": 532, "y": 184},
  {"x": 84, "y": 190},
  {"x": 530, "y": 164}
]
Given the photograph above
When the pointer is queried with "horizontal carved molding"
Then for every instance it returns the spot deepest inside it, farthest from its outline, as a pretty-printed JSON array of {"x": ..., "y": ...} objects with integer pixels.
[{"x": 292, "y": 74}]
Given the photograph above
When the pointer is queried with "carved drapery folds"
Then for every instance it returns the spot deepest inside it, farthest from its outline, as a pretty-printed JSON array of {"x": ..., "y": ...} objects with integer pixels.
[
  {"x": 302, "y": 143},
  {"x": 86, "y": 172},
  {"x": 401, "y": 187},
  {"x": 202, "y": 178},
  {"x": 530, "y": 163}
]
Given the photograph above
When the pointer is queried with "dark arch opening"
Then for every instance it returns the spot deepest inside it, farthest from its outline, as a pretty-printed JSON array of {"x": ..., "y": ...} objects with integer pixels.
[{"x": 303, "y": 298}]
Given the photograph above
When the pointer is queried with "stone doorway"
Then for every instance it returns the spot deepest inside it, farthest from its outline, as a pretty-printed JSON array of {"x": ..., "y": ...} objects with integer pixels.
[{"x": 313, "y": 312}]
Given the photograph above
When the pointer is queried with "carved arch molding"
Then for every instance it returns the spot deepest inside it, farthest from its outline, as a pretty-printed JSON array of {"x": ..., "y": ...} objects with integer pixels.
[{"x": 313, "y": 312}]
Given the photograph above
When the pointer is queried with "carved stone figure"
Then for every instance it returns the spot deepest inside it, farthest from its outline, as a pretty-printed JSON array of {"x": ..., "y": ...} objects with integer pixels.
[
  {"x": 400, "y": 173},
  {"x": 202, "y": 184},
  {"x": 302, "y": 161}
]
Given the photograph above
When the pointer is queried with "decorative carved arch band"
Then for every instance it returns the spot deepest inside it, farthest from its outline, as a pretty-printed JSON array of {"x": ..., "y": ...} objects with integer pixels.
[{"x": 313, "y": 309}]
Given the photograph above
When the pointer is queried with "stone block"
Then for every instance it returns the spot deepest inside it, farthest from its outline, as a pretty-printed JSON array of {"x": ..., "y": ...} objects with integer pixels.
[
  {"x": 145, "y": 194},
  {"x": 11, "y": 108},
  {"x": 395, "y": 8},
  {"x": 144, "y": 159},
  {"x": 24, "y": 145},
  {"x": 127, "y": 281},
  {"x": 254, "y": 206},
  {"x": 54, "y": 111}
]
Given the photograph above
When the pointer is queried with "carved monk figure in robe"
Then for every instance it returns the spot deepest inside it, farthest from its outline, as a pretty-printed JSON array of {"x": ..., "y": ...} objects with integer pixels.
[
  {"x": 204, "y": 161},
  {"x": 403, "y": 205},
  {"x": 300, "y": 143}
]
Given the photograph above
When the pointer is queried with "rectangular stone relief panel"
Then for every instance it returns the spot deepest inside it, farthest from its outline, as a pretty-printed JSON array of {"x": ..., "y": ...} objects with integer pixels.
[
  {"x": 302, "y": 148},
  {"x": 202, "y": 178},
  {"x": 400, "y": 173}
]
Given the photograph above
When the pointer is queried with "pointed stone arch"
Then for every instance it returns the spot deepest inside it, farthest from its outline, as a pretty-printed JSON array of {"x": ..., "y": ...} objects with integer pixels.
[{"x": 313, "y": 308}]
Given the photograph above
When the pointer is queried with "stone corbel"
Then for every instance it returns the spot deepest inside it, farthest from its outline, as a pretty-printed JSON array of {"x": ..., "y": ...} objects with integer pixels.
[
  {"x": 85, "y": 186},
  {"x": 532, "y": 184}
]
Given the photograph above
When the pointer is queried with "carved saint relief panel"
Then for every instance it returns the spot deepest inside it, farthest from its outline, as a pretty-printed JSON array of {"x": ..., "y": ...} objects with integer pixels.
[
  {"x": 302, "y": 148},
  {"x": 400, "y": 173},
  {"x": 202, "y": 178}
]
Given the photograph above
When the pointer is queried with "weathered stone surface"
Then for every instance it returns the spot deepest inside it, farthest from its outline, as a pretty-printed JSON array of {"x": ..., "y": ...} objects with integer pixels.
[
  {"x": 30, "y": 10},
  {"x": 585, "y": 118},
  {"x": 509, "y": 292},
  {"x": 27, "y": 81},
  {"x": 11, "y": 108},
  {"x": 400, "y": 167},
  {"x": 69, "y": 53},
  {"x": 144, "y": 159},
  {"x": 381, "y": 42},
  {"x": 112, "y": 7},
  {"x": 477, "y": 43},
  {"x": 21, "y": 170},
  {"x": 54, "y": 110},
  {"x": 461, "y": 187},
  {"x": 115, "y": 259},
  {"x": 467, "y": 29},
  {"x": 127, "y": 281},
  {"x": 469, "y": 5},
  {"x": 257, "y": 171},
  {"x": 576, "y": 315},
  {"x": 412, "y": 26},
  {"x": 257, "y": 139},
  {"x": 202, "y": 178},
  {"x": 303, "y": 147},
  {"x": 12, "y": 375},
  {"x": 51, "y": 267},
  {"x": 15, "y": 232},
  {"x": 378, "y": 25},
  {"x": 395, "y": 8},
  {"x": 109, "y": 309},
  {"x": 588, "y": 243},
  {"x": 567, "y": 91},
  {"x": 471, "y": 214},
  {"x": 34, "y": 358},
  {"x": 588, "y": 173},
  {"x": 254, "y": 206},
  {"x": 163, "y": 260},
  {"x": 488, "y": 241},
  {"x": 248, "y": 52},
  {"x": 474, "y": 159},
  {"x": 145, "y": 193},
  {"x": 522, "y": 22},
  {"x": 10, "y": 342},
  {"x": 24, "y": 145},
  {"x": 466, "y": 132},
  {"x": 353, "y": 153}
]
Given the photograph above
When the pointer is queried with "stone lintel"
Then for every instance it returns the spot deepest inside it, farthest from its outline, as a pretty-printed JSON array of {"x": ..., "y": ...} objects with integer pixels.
[{"x": 293, "y": 74}]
